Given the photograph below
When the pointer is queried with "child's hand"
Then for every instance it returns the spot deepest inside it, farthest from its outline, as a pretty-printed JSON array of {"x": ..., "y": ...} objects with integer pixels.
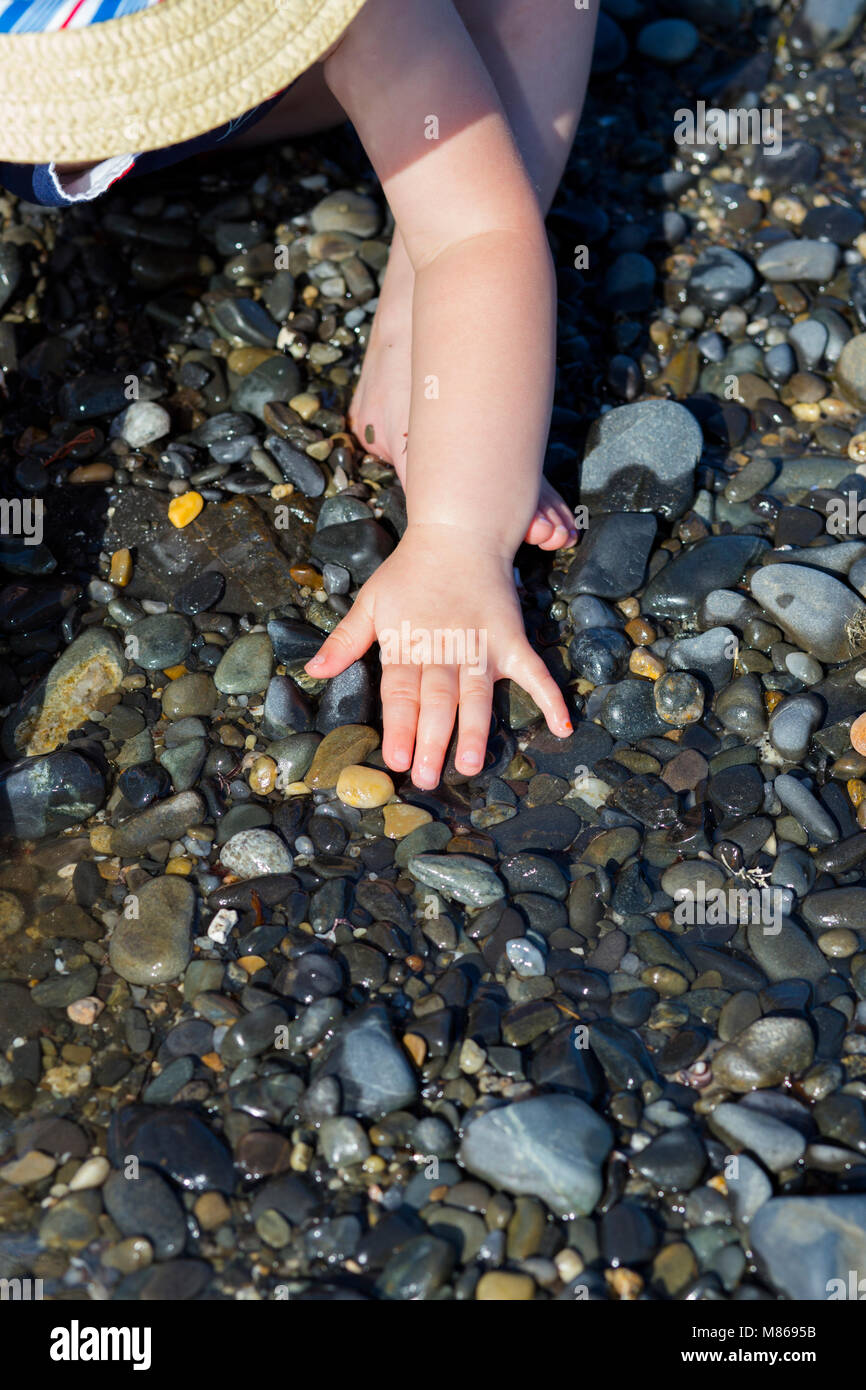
[{"x": 445, "y": 592}]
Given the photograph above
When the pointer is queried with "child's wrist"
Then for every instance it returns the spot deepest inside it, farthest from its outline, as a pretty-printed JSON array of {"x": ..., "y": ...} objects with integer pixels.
[{"x": 445, "y": 529}]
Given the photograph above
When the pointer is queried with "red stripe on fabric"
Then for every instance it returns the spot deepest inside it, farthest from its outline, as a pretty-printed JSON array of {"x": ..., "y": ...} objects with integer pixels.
[
  {"x": 122, "y": 175},
  {"x": 72, "y": 14}
]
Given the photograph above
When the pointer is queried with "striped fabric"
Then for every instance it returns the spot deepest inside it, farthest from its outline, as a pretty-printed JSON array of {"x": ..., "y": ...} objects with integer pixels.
[{"x": 39, "y": 16}]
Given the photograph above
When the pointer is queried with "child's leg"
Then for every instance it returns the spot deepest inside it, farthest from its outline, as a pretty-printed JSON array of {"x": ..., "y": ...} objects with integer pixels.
[{"x": 539, "y": 58}]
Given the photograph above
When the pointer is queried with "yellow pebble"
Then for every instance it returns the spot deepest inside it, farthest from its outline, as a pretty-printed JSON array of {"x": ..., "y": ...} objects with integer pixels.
[
  {"x": 121, "y": 568},
  {"x": 499, "y": 1286},
  {"x": 174, "y": 672},
  {"x": 401, "y": 819},
  {"x": 129, "y": 1255},
  {"x": 252, "y": 964},
  {"x": 643, "y": 662},
  {"x": 179, "y": 866},
  {"x": 416, "y": 1046},
  {"x": 772, "y": 699},
  {"x": 365, "y": 787},
  {"x": 306, "y": 404},
  {"x": 789, "y": 209},
  {"x": 838, "y": 943},
  {"x": 296, "y": 789},
  {"x": 100, "y": 839},
  {"x": 300, "y": 1157},
  {"x": 263, "y": 775},
  {"x": 856, "y": 790},
  {"x": 281, "y": 490},
  {"x": 245, "y": 360},
  {"x": 184, "y": 509},
  {"x": 211, "y": 1210},
  {"x": 857, "y": 448},
  {"x": 666, "y": 982},
  {"x": 806, "y": 410},
  {"x": 568, "y": 1264}
]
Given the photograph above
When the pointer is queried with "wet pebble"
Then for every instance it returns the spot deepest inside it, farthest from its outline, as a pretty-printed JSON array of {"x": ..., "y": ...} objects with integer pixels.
[
  {"x": 154, "y": 944},
  {"x": 250, "y": 853}
]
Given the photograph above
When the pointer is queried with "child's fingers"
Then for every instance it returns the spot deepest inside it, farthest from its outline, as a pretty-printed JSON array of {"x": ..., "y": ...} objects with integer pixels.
[
  {"x": 347, "y": 643},
  {"x": 527, "y": 668},
  {"x": 435, "y": 722},
  {"x": 476, "y": 699},
  {"x": 401, "y": 694}
]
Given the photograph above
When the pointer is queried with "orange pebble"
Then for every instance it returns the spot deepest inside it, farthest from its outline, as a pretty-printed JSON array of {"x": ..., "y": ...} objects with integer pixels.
[
  {"x": 121, "y": 568},
  {"x": 643, "y": 662},
  {"x": 416, "y": 1046},
  {"x": 305, "y": 575},
  {"x": 184, "y": 509},
  {"x": 640, "y": 631},
  {"x": 772, "y": 699},
  {"x": 858, "y": 734},
  {"x": 252, "y": 964}
]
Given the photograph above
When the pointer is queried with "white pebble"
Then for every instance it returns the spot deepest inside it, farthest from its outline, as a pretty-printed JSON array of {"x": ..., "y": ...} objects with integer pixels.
[
  {"x": 221, "y": 924},
  {"x": 144, "y": 422},
  {"x": 92, "y": 1173}
]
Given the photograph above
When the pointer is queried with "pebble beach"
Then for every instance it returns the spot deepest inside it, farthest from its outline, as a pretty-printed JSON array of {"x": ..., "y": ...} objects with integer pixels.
[{"x": 275, "y": 1023}]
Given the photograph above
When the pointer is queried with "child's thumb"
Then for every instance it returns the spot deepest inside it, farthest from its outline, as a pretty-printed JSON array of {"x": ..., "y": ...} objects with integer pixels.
[{"x": 347, "y": 643}]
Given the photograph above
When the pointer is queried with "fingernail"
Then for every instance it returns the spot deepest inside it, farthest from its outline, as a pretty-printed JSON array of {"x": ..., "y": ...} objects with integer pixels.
[{"x": 317, "y": 660}]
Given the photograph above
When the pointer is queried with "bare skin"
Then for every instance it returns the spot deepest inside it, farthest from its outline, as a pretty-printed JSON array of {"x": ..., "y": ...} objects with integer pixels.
[
  {"x": 483, "y": 304},
  {"x": 469, "y": 300},
  {"x": 540, "y": 71}
]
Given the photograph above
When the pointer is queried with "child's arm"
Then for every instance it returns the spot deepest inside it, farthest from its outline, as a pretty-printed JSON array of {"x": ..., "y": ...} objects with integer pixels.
[{"x": 483, "y": 353}]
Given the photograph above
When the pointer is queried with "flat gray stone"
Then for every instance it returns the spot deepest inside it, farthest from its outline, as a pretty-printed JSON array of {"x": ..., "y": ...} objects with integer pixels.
[
  {"x": 807, "y": 1246},
  {"x": 246, "y": 666},
  {"x": 777, "y": 1145},
  {"x": 373, "y": 1071},
  {"x": 612, "y": 557},
  {"x": 641, "y": 458},
  {"x": 550, "y": 1147},
  {"x": 799, "y": 259},
  {"x": 816, "y": 610},
  {"x": 460, "y": 876}
]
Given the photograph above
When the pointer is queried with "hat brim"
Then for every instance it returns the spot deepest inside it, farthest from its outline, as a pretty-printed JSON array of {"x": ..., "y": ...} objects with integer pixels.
[{"x": 157, "y": 77}]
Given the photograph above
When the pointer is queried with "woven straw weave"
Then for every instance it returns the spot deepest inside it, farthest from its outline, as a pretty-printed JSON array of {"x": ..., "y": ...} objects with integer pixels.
[{"x": 157, "y": 77}]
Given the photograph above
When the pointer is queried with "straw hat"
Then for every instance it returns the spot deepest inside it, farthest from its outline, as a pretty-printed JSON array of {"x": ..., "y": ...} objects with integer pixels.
[{"x": 155, "y": 77}]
